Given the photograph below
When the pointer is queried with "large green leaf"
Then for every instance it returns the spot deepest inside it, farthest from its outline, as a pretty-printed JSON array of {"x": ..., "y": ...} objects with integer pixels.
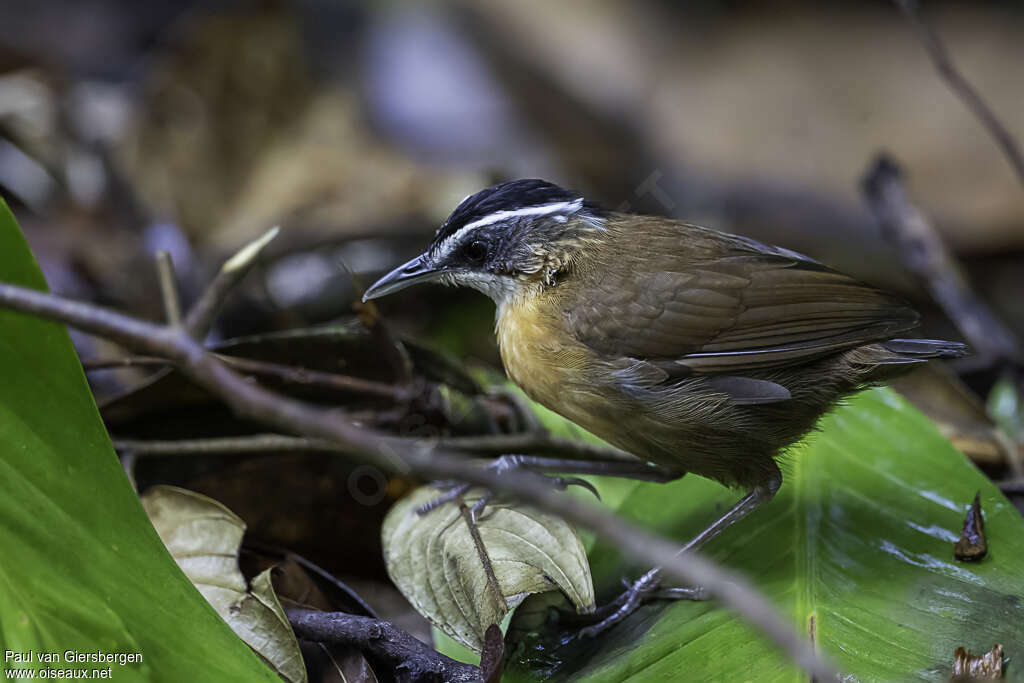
[
  {"x": 81, "y": 568},
  {"x": 857, "y": 547}
]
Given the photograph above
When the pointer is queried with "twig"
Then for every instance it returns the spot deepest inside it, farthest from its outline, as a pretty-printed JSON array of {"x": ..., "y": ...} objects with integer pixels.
[
  {"x": 200, "y": 318},
  {"x": 962, "y": 87},
  {"x": 924, "y": 254},
  {"x": 480, "y": 445},
  {"x": 89, "y": 364},
  {"x": 251, "y": 401},
  {"x": 168, "y": 287},
  {"x": 227, "y": 445},
  {"x": 528, "y": 443},
  {"x": 255, "y": 545},
  {"x": 381, "y": 640},
  {"x": 316, "y": 378},
  {"x": 285, "y": 373}
]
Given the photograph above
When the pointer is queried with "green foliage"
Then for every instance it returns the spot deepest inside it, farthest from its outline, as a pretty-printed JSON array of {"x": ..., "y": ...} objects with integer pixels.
[
  {"x": 857, "y": 548},
  {"x": 81, "y": 566}
]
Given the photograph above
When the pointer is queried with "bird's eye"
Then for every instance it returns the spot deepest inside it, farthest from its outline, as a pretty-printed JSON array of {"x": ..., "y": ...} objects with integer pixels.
[{"x": 475, "y": 252}]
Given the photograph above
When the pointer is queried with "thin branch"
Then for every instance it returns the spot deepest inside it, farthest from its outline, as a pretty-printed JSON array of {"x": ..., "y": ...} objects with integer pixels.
[
  {"x": 255, "y": 545},
  {"x": 251, "y": 401},
  {"x": 925, "y": 255},
  {"x": 963, "y": 89},
  {"x": 168, "y": 287},
  {"x": 200, "y": 318},
  {"x": 316, "y": 378},
  {"x": 89, "y": 364},
  {"x": 228, "y": 445},
  {"x": 382, "y": 641},
  {"x": 286, "y": 373},
  {"x": 527, "y": 443}
]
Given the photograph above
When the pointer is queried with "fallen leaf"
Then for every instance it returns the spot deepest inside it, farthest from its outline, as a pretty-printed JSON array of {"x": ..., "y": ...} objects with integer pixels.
[
  {"x": 434, "y": 562},
  {"x": 203, "y": 537}
]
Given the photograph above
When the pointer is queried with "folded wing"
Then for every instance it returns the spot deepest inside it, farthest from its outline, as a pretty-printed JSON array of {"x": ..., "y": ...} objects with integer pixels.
[{"x": 723, "y": 305}]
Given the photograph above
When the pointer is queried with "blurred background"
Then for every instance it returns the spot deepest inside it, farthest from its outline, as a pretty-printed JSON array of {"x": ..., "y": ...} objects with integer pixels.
[{"x": 129, "y": 127}]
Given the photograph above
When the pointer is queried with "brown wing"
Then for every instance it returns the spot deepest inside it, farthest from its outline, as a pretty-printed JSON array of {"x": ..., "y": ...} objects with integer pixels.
[{"x": 714, "y": 303}]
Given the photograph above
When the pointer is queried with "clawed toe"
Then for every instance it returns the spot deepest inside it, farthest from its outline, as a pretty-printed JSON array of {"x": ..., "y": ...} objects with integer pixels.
[
  {"x": 454, "y": 492},
  {"x": 565, "y": 482},
  {"x": 646, "y": 588}
]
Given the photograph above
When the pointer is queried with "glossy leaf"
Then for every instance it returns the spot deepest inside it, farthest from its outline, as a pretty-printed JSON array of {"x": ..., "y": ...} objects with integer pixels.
[
  {"x": 81, "y": 567},
  {"x": 435, "y": 563},
  {"x": 857, "y": 548}
]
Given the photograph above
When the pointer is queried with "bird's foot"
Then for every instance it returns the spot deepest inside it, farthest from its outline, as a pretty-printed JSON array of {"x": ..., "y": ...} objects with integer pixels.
[
  {"x": 645, "y": 589},
  {"x": 454, "y": 490}
]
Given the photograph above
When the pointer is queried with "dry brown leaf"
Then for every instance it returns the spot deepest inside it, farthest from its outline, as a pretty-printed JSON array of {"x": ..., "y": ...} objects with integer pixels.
[{"x": 204, "y": 537}]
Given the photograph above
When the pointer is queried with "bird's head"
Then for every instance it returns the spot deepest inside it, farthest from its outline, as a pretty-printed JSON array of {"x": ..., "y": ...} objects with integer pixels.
[{"x": 503, "y": 241}]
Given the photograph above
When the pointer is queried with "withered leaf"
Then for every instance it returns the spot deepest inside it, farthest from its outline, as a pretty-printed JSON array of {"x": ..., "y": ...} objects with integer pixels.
[
  {"x": 433, "y": 561},
  {"x": 203, "y": 537}
]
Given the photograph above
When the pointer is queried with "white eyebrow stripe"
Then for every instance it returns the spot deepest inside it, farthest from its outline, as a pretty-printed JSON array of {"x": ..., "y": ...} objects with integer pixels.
[
  {"x": 541, "y": 210},
  {"x": 498, "y": 216}
]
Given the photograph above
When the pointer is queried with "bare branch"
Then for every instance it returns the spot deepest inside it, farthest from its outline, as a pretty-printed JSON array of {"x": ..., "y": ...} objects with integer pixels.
[
  {"x": 382, "y": 641},
  {"x": 316, "y": 378},
  {"x": 925, "y": 254},
  {"x": 200, "y": 318},
  {"x": 228, "y": 445},
  {"x": 286, "y": 373},
  {"x": 168, "y": 288},
  {"x": 89, "y": 364},
  {"x": 393, "y": 454},
  {"x": 962, "y": 87},
  {"x": 526, "y": 443}
]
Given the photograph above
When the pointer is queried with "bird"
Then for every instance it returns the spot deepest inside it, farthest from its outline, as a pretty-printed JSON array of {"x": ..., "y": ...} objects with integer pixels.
[{"x": 696, "y": 351}]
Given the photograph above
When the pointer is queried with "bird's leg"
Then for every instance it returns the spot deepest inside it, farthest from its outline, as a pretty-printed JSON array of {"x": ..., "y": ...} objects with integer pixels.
[
  {"x": 648, "y": 586},
  {"x": 531, "y": 463}
]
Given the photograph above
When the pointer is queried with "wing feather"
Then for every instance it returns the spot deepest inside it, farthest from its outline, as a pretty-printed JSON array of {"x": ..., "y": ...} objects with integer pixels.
[{"x": 712, "y": 303}]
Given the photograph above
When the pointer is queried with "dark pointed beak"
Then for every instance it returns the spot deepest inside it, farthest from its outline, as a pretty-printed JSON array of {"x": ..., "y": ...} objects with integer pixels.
[{"x": 420, "y": 269}]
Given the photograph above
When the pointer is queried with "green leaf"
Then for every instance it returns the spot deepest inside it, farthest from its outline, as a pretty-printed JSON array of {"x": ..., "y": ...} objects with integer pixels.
[
  {"x": 857, "y": 548},
  {"x": 204, "y": 538},
  {"x": 81, "y": 567},
  {"x": 434, "y": 562}
]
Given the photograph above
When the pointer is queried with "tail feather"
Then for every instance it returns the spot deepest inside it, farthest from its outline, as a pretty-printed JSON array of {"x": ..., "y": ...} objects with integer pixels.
[{"x": 911, "y": 350}]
